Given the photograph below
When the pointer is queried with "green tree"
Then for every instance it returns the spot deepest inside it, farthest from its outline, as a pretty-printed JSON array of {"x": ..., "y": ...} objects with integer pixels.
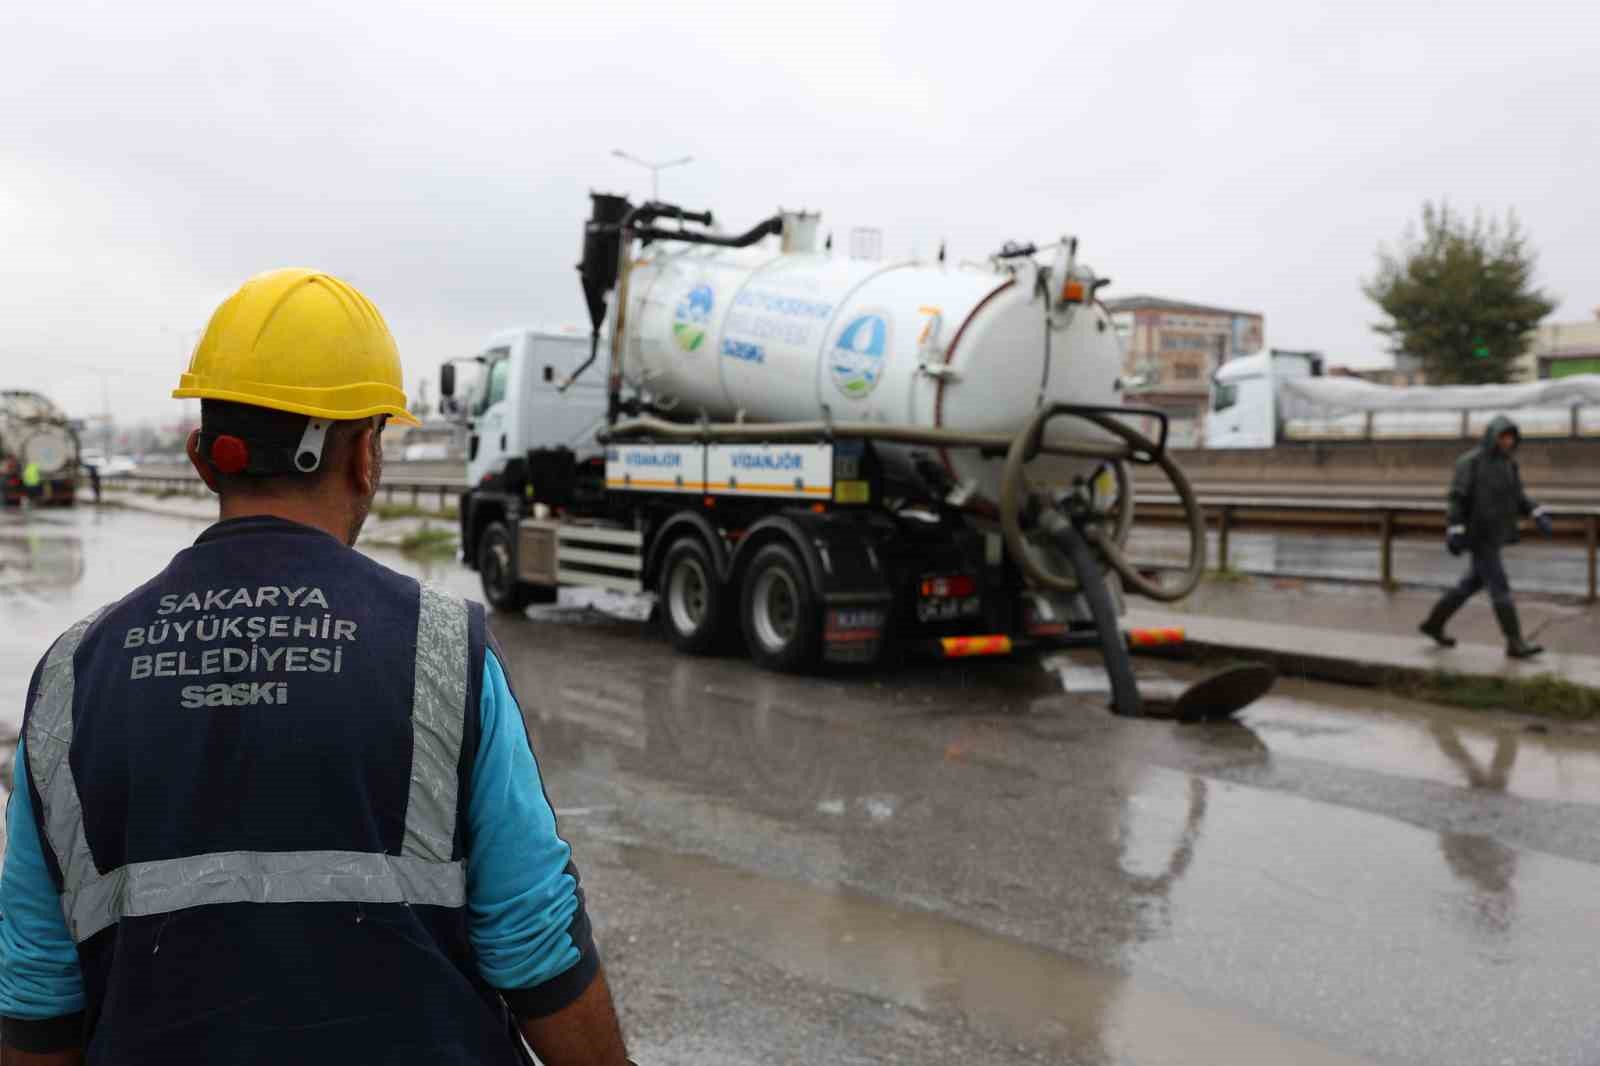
[{"x": 1459, "y": 295}]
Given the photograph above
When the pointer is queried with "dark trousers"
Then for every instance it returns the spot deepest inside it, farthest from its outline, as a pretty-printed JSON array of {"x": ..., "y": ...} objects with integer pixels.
[{"x": 1485, "y": 570}]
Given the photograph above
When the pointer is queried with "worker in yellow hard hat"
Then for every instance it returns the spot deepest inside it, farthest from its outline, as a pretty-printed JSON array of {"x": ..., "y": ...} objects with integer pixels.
[{"x": 278, "y": 804}]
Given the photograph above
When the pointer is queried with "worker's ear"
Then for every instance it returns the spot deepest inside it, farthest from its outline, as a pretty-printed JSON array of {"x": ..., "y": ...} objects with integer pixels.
[
  {"x": 365, "y": 462},
  {"x": 201, "y": 464}
]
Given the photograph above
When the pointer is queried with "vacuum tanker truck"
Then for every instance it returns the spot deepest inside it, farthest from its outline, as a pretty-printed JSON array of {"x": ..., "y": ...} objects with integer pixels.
[
  {"x": 823, "y": 458},
  {"x": 34, "y": 432}
]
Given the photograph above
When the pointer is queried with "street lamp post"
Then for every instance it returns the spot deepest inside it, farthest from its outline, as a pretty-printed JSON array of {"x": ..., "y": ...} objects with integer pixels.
[{"x": 655, "y": 169}]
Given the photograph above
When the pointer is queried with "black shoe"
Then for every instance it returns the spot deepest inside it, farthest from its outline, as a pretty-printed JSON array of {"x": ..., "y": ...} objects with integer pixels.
[
  {"x": 1436, "y": 631},
  {"x": 1511, "y": 626},
  {"x": 1442, "y": 611}
]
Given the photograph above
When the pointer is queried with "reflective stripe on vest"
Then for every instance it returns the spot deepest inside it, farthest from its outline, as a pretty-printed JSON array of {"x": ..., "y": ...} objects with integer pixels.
[{"x": 423, "y": 873}]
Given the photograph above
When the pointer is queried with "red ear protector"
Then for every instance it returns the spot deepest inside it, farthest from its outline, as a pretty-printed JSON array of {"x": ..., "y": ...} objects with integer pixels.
[{"x": 229, "y": 454}]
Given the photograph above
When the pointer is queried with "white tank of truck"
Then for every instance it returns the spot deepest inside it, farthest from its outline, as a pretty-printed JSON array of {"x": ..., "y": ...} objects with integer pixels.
[
  {"x": 795, "y": 335},
  {"x": 33, "y": 431}
]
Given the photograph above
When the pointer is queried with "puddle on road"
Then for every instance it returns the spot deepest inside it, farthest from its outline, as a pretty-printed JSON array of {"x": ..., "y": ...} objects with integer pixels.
[
  {"x": 1388, "y": 735},
  {"x": 36, "y": 560},
  {"x": 923, "y": 962},
  {"x": 1371, "y": 730}
]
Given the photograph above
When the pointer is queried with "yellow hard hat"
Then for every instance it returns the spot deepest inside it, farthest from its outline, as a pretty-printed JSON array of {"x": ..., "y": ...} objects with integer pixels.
[{"x": 300, "y": 341}]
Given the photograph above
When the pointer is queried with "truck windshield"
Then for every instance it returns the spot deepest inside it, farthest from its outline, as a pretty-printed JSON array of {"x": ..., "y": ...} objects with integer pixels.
[
  {"x": 1223, "y": 396},
  {"x": 498, "y": 371}
]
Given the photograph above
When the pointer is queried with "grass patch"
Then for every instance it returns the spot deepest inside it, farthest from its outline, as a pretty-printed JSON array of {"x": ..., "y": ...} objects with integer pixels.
[
  {"x": 1545, "y": 695},
  {"x": 429, "y": 541},
  {"x": 1227, "y": 575},
  {"x": 410, "y": 510}
]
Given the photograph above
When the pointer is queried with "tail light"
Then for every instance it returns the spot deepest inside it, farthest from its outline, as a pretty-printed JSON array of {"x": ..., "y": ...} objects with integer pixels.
[{"x": 957, "y": 586}]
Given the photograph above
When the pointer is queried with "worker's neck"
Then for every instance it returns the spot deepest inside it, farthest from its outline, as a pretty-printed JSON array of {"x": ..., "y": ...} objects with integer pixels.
[{"x": 315, "y": 513}]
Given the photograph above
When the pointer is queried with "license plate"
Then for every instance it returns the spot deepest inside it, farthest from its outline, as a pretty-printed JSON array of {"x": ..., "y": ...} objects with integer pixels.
[{"x": 945, "y": 610}]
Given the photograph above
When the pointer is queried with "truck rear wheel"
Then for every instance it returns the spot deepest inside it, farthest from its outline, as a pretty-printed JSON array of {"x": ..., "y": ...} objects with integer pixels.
[
  {"x": 691, "y": 597},
  {"x": 497, "y": 571},
  {"x": 780, "y": 613}
]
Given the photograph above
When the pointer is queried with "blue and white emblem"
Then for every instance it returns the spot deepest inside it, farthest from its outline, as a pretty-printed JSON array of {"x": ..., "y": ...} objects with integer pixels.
[{"x": 857, "y": 357}]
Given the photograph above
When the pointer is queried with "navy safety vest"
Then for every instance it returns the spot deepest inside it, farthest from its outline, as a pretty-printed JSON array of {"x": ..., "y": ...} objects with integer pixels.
[{"x": 252, "y": 774}]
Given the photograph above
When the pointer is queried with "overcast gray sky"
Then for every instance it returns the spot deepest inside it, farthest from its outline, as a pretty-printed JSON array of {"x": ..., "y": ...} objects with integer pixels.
[{"x": 438, "y": 155}]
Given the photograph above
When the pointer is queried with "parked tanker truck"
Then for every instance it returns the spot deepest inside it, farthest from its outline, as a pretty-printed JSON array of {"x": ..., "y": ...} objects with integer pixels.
[
  {"x": 34, "y": 432},
  {"x": 824, "y": 459},
  {"x": 1284, "y": 398}
]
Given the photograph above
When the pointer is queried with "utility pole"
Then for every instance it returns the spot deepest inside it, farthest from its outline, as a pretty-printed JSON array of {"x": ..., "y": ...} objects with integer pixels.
[{"x": 655, "y": 169}]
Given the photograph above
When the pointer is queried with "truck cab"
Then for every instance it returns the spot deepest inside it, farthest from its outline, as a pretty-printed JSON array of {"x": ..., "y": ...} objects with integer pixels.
[
  {"x": 518, "y": 404},
  {"x": 1245, "y": 412}
]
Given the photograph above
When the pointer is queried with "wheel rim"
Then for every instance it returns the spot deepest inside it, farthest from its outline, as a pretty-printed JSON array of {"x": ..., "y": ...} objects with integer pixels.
[
  {"x": 499, "y": 565},
  {"x": 775, "y": 609},
  {"x": 688, "y": 595}
]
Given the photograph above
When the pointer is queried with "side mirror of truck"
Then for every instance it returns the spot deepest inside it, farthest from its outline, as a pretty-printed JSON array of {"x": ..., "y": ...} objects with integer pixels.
[{"x": 447, "y": 379}]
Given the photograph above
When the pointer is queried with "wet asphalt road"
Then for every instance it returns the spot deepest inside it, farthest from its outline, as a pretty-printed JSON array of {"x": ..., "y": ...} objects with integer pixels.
[{"x": 971, "y": 864}]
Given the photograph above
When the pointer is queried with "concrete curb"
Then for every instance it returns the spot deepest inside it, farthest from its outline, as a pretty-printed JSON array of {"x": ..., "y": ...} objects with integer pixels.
[
  {"x": 1360, "y": 659},
  {"x": 1340, "y": 671}
]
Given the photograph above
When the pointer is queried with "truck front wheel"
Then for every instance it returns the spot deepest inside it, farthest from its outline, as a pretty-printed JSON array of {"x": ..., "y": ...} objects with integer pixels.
[
  {"x": 497, "y": 570},
  {"x": 781, "y": 617},
  {"x": 691, "y": 597}
]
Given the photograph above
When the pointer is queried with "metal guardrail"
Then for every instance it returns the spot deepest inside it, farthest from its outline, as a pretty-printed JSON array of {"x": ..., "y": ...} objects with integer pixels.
[
  {"x": 1390, "y": 519},
  {"x": 446, "y": 488}
]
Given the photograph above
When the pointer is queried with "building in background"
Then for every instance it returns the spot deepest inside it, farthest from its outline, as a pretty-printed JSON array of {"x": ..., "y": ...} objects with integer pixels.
[
  {"x": 1407, "y": 370},
  {"x": 1560, "y": 349},
  {"x": 1170, "y": 350}
]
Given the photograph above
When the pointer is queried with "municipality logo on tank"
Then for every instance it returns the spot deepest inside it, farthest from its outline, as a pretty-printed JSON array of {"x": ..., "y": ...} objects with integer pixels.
[
  {"x": 856, "y": 360},
  {"x": 692, "y": 316}
]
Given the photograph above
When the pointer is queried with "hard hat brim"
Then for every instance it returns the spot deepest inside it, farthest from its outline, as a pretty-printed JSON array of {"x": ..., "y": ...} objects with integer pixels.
[{"x": 341, "y": 404}]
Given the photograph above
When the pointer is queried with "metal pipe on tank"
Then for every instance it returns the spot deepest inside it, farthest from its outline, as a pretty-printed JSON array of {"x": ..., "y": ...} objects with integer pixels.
[
  {"x": 633, "y": 226},
  {"x": 994, "y": 444}
]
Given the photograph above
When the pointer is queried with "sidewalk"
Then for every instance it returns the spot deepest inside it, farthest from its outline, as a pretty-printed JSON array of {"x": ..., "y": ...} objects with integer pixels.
[{"x": 1363, "y": 635}]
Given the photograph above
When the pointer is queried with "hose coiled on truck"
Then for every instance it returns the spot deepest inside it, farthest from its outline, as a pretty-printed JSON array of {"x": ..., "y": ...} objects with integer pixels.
[{"x": 1015, "y": 491}]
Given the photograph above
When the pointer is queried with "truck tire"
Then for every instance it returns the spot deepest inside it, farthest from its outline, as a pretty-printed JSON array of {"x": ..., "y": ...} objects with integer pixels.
[
  {"x": 690, "y": 597},
  {"x": 780, "y": 612},
  {"x": 501, "y": 589}
]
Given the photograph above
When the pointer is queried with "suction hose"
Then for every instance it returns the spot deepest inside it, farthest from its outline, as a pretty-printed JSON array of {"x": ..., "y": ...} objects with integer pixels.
[{"x": 1014, "y": 487}]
